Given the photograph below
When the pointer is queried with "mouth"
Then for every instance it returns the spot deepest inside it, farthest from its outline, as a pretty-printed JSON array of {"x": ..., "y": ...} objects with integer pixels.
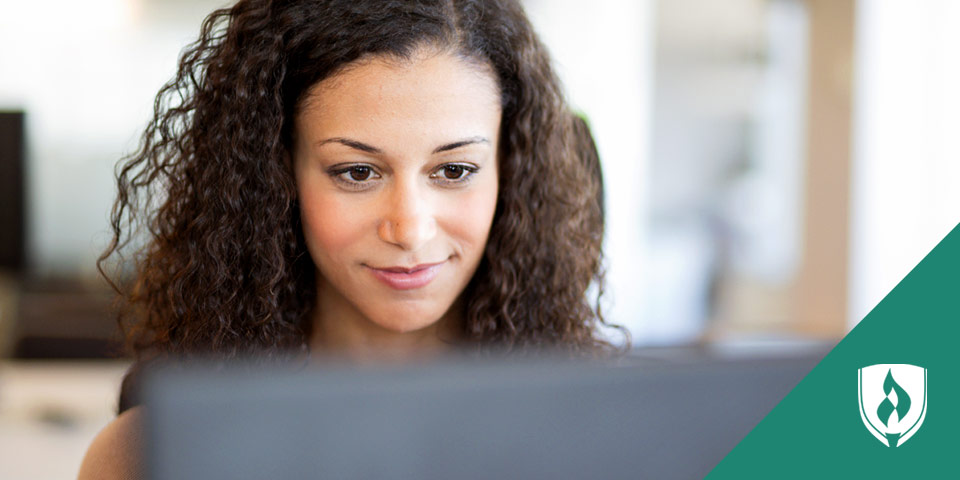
[
  {"x": 408, "y": 278},
  {"x": 408, "y": 270}
]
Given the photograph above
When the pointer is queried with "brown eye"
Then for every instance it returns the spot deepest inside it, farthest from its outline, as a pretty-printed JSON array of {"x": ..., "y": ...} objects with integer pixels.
[
  {"x": 453, "y": 172},
  {"x": 359, "y": 173},
  {"x": 354, "y": 177}
]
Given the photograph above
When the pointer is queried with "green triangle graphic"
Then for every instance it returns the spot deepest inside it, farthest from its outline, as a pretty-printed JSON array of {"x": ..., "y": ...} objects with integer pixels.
[{"x": 817, "y": 432}]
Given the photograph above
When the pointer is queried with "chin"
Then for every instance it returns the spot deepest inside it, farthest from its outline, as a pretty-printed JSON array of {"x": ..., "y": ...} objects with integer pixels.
[
  {"x": 401, "y": 323},
  {"x": 405, "y": 326}
]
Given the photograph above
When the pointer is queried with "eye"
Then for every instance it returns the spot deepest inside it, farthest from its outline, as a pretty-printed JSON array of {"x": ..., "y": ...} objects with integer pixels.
[
  {"x": 453, "y": 172},
  {"x": 456, "y": 173},
  {"x": 359, "y": 173},
  {"x": 354, "y": 175}
]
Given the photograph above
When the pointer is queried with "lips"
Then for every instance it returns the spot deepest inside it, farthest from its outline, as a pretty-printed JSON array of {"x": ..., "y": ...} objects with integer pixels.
[
  {"x": 409, "y": 269},
  {"x": 400, "y": 278}
]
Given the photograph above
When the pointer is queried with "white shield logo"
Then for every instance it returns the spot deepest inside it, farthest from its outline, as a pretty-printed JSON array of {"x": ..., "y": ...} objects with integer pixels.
[{"x": 893, "y": 401}]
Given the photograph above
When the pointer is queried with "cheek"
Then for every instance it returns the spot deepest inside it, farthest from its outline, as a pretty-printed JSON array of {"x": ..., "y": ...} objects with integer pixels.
[
  {"x": 330, "y": 226},
  {"x": 472, "y": 214}
]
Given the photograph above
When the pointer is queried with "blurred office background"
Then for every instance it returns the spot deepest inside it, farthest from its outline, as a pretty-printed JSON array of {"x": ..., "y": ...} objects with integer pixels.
[{"x": 773, "y": 168}]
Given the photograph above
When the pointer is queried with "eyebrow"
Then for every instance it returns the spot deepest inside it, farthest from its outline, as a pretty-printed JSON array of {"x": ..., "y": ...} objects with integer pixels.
[{"x": 363, "y": 147}]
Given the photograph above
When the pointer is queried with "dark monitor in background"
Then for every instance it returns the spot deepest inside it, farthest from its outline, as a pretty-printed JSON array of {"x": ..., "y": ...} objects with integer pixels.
[
  {"x": 12, "y": 205},
  {"x": 550, "y": 420}
]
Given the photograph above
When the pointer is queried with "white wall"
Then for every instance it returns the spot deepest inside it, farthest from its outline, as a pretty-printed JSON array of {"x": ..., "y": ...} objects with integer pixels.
[
  {"x": 86, "y": 73},
  {"x": 906, "y": 192}
]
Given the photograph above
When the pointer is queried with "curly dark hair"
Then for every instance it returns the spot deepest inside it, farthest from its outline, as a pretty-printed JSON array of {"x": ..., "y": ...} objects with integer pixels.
[{"x": 224, "y": 269}]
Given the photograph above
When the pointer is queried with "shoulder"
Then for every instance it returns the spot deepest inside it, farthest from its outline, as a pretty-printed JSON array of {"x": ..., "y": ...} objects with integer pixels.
[{"x": 116, "y": 452}]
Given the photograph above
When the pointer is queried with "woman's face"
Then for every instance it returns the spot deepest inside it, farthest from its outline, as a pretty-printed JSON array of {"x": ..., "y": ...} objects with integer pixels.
[{"x": 396, "y": 168}]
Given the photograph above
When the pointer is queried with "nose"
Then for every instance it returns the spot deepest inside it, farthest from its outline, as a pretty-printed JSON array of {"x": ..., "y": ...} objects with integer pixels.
[{"x": 408, "y": 221}]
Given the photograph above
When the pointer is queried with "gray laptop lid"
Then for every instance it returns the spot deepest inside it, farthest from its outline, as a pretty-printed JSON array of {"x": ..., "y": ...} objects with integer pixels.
[{"x": 463, "y": 420}]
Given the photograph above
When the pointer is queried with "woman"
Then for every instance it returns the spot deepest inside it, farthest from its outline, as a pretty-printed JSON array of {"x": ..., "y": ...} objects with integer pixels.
[{"x": 371, "y": 179}]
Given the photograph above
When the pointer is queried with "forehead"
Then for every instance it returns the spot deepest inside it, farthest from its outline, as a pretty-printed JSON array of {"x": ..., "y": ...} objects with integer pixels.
[{"x": 432, "y": 94}]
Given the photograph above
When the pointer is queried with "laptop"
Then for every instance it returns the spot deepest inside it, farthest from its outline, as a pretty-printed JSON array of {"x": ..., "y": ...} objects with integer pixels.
[{"x": 541, "y": 418}]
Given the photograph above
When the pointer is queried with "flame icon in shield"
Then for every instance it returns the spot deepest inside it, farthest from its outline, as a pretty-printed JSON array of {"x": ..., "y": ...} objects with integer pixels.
[{"x": 893, "y": 401}]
